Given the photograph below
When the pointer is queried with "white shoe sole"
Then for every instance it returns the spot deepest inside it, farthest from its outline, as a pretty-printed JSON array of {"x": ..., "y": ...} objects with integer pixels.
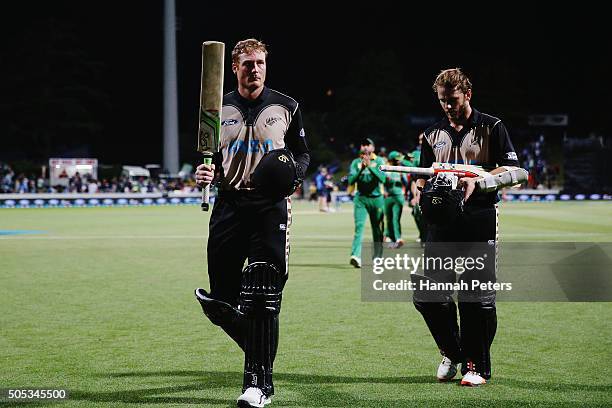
[
  {"x": 471, "y": 384},
  {"x": 246, "y": 404}
]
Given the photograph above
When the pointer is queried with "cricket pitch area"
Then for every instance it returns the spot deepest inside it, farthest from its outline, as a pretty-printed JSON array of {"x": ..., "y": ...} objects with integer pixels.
[{"x": 99, "y": 301}]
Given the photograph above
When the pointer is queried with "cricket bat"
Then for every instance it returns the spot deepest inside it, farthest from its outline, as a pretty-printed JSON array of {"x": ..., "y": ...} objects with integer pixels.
[
  {"x": 484, "y": 180},
  {"x": 211, "y": 100},
  {"x": 460, "y": 170}
]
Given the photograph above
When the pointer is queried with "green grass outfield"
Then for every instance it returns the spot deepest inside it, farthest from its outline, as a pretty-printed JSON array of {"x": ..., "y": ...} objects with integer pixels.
[{"x": 101, "y": 303}]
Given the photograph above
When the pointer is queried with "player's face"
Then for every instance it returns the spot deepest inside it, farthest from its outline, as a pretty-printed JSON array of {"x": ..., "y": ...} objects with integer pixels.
[
  {"x": 454, "y": 102},
  {"x": 250, "y": 70},
  {"x": 367, "y": 149}
]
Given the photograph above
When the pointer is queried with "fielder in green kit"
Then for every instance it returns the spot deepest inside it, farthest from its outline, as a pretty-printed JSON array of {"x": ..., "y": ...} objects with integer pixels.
[
  {"x": 368, "y": 199},
  {"x": 395, "y": 185}
]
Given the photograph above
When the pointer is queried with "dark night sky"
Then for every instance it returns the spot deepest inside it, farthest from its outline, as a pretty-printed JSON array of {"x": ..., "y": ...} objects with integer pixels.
[{"x": 527, "y": 60}]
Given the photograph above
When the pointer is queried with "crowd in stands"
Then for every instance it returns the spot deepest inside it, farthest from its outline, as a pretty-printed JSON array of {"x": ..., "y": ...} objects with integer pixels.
[
  {"x": 542, "y": 174},
  {"x": 22, "y": 184}
]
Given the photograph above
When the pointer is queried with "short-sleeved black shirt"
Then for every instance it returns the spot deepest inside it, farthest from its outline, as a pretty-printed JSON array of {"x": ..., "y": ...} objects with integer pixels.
[
  {"x": 250, "y": 129},
  {"x": 483, "y": 141}
]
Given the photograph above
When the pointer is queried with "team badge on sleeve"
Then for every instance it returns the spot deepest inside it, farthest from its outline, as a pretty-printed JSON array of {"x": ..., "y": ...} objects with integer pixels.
[{"x": 511, "y": 156}]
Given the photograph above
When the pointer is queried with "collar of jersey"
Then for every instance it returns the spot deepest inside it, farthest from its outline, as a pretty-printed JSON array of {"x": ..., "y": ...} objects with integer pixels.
[
  {"x": 473, "y": 120},
  {"x": 262, "y": 97}
]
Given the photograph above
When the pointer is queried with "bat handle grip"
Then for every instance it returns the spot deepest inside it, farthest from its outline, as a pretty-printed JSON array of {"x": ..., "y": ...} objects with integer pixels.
[{"x": 206, "y": 190}]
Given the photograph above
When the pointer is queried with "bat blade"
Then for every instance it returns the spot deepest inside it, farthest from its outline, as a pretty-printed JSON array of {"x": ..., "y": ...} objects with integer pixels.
[{"x": 211, "y": 101}]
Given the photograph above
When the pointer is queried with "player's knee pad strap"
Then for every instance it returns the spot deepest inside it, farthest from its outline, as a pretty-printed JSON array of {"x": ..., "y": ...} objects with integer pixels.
[{"x": 261, "y": 292}]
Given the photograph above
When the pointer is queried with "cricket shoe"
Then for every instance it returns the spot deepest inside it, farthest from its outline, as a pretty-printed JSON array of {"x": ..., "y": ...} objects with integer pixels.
[
  {"x": 219, "y": 312},
  {"x": 253, "y": 397},
  {"x": 472, "y": 378},
  {"x": 446, "y": 370},
  {"x": 355, "y": 261}
]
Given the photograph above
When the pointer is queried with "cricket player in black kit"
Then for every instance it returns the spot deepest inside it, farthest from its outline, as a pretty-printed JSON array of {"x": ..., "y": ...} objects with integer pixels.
[
  {"x": 251, "y": 218},
  {"x": 469, "y": 137}
]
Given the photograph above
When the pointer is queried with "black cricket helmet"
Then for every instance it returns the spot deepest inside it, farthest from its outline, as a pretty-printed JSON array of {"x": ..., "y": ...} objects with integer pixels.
[
  {"x": 276, "y": 175},
  {"x": 441, "y": 201}
]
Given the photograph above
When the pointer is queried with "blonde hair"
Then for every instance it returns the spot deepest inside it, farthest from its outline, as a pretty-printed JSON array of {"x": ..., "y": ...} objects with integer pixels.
[
  {"x": 452, "y": 78},
  {"x": 246, "y": 47}
]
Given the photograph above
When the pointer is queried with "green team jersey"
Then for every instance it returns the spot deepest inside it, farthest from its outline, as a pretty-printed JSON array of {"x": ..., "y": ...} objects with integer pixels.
[
  {"x": 394, "y": 183},
  {"x": 416, "y": 157},
  {"x": 410, "y": 163},
  {"x": 368, "y": 180}
]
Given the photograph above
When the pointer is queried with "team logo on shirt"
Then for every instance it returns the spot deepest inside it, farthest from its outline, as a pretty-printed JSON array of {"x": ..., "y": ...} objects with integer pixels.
[
  {"x": 251, "y": 146},
  {"x": 229, "y": 122},
  {"x": 439, "y": 145},
  {"x": 511, "y": 156},
  {"x": 272, "y": 120},
  {"x": 302, "y": 133}
]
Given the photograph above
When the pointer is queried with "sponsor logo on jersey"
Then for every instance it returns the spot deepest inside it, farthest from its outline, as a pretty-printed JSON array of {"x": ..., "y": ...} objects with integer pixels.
[
  {"x": 511, "y": 156},
  {"x": 253, "y": 146},
  {"x": 229, "y": 122},
  {"x": 272, "y": 120},
  {"x": 282, "y": 227},
  {"x": 439, "y": 145},
  {"x": 302, "y": 133},
  {"x": 283, "y": 158}
]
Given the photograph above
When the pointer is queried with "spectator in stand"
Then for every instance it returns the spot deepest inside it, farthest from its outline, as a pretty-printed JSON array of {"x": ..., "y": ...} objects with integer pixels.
[
  {"x": 7, "y": 179},
  {"x": 92, "y": 186},
  {"x": 21, "y": 184}
]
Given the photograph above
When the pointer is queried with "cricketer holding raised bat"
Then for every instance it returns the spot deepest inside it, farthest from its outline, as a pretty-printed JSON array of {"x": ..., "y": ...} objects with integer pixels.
[
  {"x": 262, "y": 158},
  {"x": 465, "y": 136}
]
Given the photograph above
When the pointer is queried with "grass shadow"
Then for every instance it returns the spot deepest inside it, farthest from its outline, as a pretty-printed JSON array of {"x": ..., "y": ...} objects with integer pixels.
[
  {"x": 314, "y": 391},
  {"x": 228, "y": 378}
]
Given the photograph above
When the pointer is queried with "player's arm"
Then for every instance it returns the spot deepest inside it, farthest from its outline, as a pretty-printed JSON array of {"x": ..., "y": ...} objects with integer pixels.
[
  {"x": 204, "y": 174},
  {"x": 505, "y": 158},
  {"x": 503, "y": 150},
  {"x": 355, "y": 171},
  {"x": 427, "y": 159},
  {"x": 295, "y": 139},
  {"x": 379, "y": 174}
]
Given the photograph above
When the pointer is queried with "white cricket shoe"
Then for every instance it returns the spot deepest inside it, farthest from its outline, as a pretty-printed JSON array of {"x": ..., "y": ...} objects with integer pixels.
[
  {"x": 446, "y": 370},
  {"x": 253, "y": 397},
  {"x": 472, "y": 379},
  {"x": 355, "y": 261}
]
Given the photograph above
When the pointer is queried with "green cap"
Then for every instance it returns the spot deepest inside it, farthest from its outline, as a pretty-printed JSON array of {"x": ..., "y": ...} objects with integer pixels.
[{"x": 395, "y": 155}]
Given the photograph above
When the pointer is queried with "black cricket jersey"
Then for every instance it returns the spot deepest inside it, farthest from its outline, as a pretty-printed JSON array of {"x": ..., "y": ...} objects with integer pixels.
[
  {"x": 483, "y": 141},
  {"x": 251, "y": 128}
]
